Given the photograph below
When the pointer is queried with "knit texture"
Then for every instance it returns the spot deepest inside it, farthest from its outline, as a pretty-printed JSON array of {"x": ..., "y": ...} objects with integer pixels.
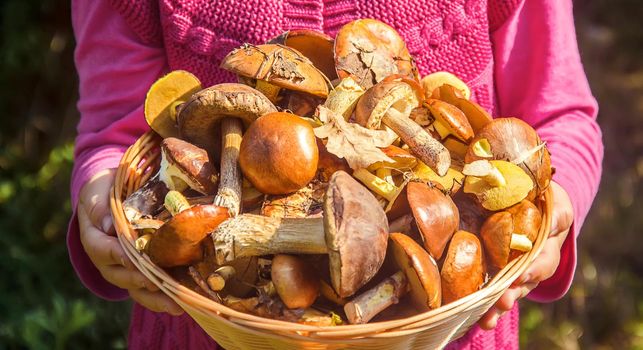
[{"x": 451, "y": 35}]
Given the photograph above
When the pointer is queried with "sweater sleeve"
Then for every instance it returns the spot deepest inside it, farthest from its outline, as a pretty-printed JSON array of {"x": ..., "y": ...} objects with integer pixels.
[
  {"x": 540, "y": 78},
  {"x": 115, "y": 69}
]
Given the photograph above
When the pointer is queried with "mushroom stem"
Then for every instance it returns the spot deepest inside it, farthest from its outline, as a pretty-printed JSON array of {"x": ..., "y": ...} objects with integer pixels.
[
  {"x": 217, "y": 280},
  {"x": 173, "y": 109},
  {"x": 368, "y": 304},
  {"x": 229, "y": 193},
  {"x": 495, "y": 178},
  {"x": 255, "y": 235},
  {"x": 141, "y": 242},
  {"x": 375, "y": 184},
  {"x": 423, "y": 145},
  {"x": 520, "y": 242},
  {"x": 385, "y": 174},
  {"x": 175, "y": 202}
]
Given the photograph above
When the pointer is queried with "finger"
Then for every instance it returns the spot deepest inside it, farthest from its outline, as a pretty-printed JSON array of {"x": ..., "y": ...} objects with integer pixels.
[
  {"x": 102, "y": 249},
  {"x": 156, "y": 301},
  {"x": 95, "y": 198},
  {"x": 489, "y": 320},
  {"x": 544, "y": 265},
  {"x": 127, "y": 279}
]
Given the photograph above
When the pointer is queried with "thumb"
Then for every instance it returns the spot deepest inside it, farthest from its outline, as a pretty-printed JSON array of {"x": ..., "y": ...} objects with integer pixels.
[{"x": 95, "y": 199}]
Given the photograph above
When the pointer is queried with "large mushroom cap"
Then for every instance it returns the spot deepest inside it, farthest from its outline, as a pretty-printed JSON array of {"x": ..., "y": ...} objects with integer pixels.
[
  {"x": 316, "y": 46},
  {"x": 377, "y": 100},
  {"x": 178, "y": 241},
  {"x": 527, "y": 219},
  {"x": 420, "y": 269},
  {"x": 463, "y": 269},
  {"x": 496, "y": 237},
  {"x": 189, "y": 163},
  {"x": 369, "y": 51},
  {"x": 279, "y": 65},
  {"x": 356, "y": 233},
  {"x": 435, "y": 214},
  {"x": 201, "y": 116}
]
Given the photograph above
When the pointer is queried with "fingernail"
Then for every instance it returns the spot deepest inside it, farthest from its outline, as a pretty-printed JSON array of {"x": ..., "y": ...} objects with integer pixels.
[{"x": 106, "y": 224}]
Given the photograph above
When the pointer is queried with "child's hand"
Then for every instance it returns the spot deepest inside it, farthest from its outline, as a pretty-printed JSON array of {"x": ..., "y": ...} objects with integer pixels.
[
  {"x": 98, "y": 238},
  {"x": 545, "y": 263}
]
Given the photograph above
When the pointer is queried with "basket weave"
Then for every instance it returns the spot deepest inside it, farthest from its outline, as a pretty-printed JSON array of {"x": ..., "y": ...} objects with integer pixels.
[{"x": 236, "y": 330}]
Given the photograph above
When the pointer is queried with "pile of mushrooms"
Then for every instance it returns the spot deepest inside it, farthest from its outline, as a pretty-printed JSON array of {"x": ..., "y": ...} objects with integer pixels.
[{"x": 332, "y": 184}]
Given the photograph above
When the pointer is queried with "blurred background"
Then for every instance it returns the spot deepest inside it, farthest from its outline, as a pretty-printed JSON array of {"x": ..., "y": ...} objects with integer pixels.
[{"x": 44, "y": 306}]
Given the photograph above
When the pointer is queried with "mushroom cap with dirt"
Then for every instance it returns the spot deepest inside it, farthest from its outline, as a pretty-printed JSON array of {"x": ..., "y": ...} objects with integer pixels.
[
  {"x": 316, "y": 46},
  {"x": 353, "y": 232}
]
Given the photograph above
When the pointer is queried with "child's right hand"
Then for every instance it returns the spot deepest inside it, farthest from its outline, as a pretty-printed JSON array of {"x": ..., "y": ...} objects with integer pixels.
[{"x": 99, "y": 241}]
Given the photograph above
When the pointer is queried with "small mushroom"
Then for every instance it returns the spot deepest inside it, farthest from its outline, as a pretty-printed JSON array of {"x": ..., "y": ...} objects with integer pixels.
[
  {"x": 295, "y": 280},
  {"x": 344, "y": 97},
  {"x": 513, "y": 140},
  {"x": 497, "y": 184},
  {"x": 353, "y": 232},
  {"x": 279, "y": 154},
  {"x": 463, "y": 270},
  {"x": 185, "y": 165},
  {"x": 390, "y": 103},
  {"x": 437, "y": 79},
  {"x": 273, "y": 67},
  {"x": 163, "y": 98},
  {"x": 369, "y": 51},
  {"x": 316, "y": 46},
  {"x": 451, "y": 181},
  {"x": 472, "y": 214},
  {"x": 224, "y": 107},
  {"x": 418, "y": 275},
  {"x": 449, "y": 120},
  {"x": 178, "y": 241},
  {"x": 436, "y": 216}
]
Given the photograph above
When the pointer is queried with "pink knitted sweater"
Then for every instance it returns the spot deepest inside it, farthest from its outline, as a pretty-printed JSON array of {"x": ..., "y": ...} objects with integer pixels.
[{"x": 519, "y": 57}]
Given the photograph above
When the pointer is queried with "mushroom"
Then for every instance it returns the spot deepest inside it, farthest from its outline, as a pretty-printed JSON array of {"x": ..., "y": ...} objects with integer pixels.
[
  {"x": 435, "y": 214},
  {"x": 472, "y": 214},
  {"x": 403, "y": 162},
  {"x": 463, "y": 270},
  {"x": 178, "y": 241},
  {"x": 369, "y": 51},
  {"x": 273, "y": 67},
  {"x": 316, "y": 46},
  {"x": 279, "y": 154},
  {"x": 223, "y": 107},
  {"x": 449, "y": 120},
  {"x": 295, "y": 281},
  {"x": 344, "y": 97},
  {"x": 513, "y": 140},
  {"x": 451, "y": 181},
  {"x": 509, "y": 233},
  {"x": 476, "y": 115},
  {"x": 164, "y": 96},
  {"x": 418, "y": 275},
  {"x": 329, "y": 163},
  {"x": 436, "y": 79},
  {"x": 390, "y": 103},
  {"x": 353, "y": 232},
  {"x": 497, "y": 184}
]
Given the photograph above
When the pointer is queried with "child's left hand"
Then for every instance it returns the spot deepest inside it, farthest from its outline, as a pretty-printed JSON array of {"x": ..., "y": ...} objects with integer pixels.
[{"x": 545, "y": 263}]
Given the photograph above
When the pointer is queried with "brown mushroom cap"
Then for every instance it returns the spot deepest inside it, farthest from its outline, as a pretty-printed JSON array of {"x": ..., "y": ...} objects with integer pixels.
[
  {"x": 279, "y": 65},
  {"x": 316, "y": 46},
  {"x": 377, "y": 100},
  {"x": 420, "y": 269},
  {"x": 356, "y": 233},
  {"x": 511, "y": 139},
  {"x": 200, "y": 117},
  {"x": 279, "y": 153},
  {"x": 189, "y": 163},
  {"x": 435, "y": 80},
  {"x": 295, "y": 281},
  {"x": 178, "y": 241},
  {"x": 435, "y": 214},
  {"x": 451, "y": 118},
  {"x": 496, "y": 237},
  {"x": 527, "y": 219},
  {"x": 463, "y": 268},
  {"x": 369, "y": 51}
]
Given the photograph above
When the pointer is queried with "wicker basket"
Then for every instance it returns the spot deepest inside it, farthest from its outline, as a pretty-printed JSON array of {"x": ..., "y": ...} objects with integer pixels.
[{"x": 236, "y": 330}]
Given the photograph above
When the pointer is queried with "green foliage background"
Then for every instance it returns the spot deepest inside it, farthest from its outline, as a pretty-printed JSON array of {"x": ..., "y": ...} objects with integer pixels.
[{"x": 44, "y": 306}]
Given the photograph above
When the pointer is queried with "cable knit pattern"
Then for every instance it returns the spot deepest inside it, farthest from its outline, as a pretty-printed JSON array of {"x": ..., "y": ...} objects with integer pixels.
[{"x": 142, "y": 17}]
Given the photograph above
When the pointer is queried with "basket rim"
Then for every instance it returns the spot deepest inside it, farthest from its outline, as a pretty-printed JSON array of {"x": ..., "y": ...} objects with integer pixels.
[{"x": 137, "y": 160}]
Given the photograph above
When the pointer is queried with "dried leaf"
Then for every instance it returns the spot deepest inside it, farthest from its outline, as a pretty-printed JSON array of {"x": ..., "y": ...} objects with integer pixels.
[{"x": 358, "y": 145}]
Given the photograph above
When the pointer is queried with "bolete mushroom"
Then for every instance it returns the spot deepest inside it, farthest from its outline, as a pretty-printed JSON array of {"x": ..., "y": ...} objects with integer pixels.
[
  {"x": 279, "y": 154},
  {"x": 226, "y": 107},
  {"x": 463, "y": 270},
  {"x": 507, "y": 234},
  {"x": 178, "y": 241},
  {"x": 295, "y": 281},
  {"x": 390, "y": 103},
  {"x": 451, "y": 181},
  {"x": 418, "y": 275},
  {"x": 437, "y": 79},
  {"x": 513, "y": 140},
  {"x": 353, "y": 232},
  {"x": 273, "y": 67},
  {"x": 369, "y": 51},
  {"x": 497, "y": 184},
  {"x": 316, "y": 46},
  {"x": 449, "y": 120},
  {"x": 435, "y": 214}
]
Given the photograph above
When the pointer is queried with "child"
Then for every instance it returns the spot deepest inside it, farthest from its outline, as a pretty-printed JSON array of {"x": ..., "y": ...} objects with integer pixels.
[{"x": 520, "y": 58}]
